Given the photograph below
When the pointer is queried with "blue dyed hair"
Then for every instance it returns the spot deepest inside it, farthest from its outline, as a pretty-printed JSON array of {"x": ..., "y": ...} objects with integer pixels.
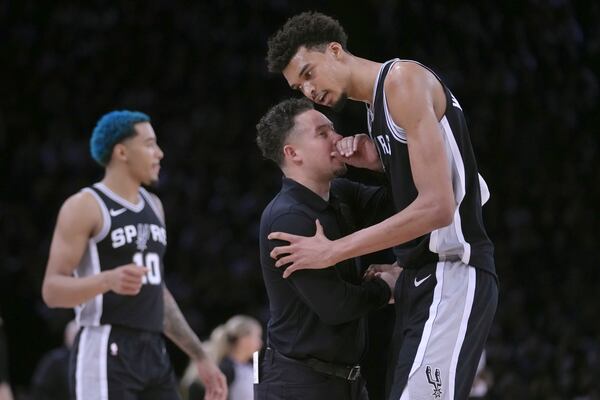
[{"x": 111, "y": 129}]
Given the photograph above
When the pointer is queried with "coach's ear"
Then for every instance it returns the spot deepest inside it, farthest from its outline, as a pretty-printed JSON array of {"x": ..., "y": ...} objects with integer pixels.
[{"x": 290, "y": 153}]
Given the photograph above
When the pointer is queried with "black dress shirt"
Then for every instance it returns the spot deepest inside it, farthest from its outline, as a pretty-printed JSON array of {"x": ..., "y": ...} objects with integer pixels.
[{"x": 320, "y": 313}]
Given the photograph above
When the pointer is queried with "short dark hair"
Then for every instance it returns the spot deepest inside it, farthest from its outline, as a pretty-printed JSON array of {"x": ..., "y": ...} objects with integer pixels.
[
  {"x": 311, "y": 29},
  {"x": 276, "y": 125}
]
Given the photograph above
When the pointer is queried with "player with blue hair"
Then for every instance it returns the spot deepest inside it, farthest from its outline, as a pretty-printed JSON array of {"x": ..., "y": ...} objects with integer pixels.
[
  {"x": 106, "y": 261},
  {"x": 111, "y": 129}
]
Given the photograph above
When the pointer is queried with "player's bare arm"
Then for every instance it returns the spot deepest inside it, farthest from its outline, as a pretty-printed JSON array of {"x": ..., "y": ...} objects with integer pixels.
[
  {"x": 413, "y": 95},
  {"x": 78, "y": 220},
  {"x": 178, "y": 330}
]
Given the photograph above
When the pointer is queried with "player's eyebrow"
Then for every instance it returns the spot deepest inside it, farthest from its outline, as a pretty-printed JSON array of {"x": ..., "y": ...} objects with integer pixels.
[{"x": 303, "y": 70}]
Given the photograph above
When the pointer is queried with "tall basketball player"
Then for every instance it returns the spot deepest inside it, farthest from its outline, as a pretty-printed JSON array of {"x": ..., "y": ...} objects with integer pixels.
[
  {"x": 447, "y": 295},
  {"x": 106, "y": 260}
]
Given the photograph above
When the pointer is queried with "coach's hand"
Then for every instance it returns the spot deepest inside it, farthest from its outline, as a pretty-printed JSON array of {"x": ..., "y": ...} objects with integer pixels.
[
  {"x": 213, "y": 380},
  {"x": 126, "y": 279}
]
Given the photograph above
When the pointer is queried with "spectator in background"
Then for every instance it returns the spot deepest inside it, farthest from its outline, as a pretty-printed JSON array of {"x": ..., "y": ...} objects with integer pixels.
[
  {"x": 51, "y": 377},
  {"x": 231, "y": 346},
  {"x": 483, "y": 380}
]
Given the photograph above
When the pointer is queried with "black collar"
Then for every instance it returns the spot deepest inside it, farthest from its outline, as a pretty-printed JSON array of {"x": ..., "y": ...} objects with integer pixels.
[{"x": 304, "y": 194}]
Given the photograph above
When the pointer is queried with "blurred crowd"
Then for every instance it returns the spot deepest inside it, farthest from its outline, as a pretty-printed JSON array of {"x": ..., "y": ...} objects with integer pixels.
[{"x": 526, "y": 74}]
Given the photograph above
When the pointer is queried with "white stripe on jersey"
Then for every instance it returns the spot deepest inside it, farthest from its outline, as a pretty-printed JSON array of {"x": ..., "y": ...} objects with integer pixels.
[
  {"x": 398, "y": 133},
  {"x": 115, "y": 197},
  {"x": 153, "y": 204},
  {"x": 106, "y": 221},
  {"x": 96, "y": 270},
  {"x": 89, "y": 313},
  {"x": 485, "y": 191},
  {"x": 449, "y": 240}
]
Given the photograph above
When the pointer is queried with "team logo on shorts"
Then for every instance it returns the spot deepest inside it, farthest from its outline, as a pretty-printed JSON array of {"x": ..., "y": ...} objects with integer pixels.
[{"x": 435, "y": 380}]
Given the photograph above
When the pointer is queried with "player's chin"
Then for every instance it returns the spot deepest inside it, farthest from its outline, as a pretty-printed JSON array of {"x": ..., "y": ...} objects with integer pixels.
[
  {"x": 151, "y": 181},
  {"x": 340, "y": 102}
]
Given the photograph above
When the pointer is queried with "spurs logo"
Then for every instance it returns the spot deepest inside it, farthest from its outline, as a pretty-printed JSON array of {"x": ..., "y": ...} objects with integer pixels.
[
  {"x": 143, "y": 234},
  {"x": 435, "y": 380}
]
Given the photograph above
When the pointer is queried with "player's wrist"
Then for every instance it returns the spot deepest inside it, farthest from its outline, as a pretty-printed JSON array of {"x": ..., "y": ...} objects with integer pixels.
[
  {"x": 199, "y": 355},
  {"x": 335, "y": 253},
  {"x": 105, "y": 281}
]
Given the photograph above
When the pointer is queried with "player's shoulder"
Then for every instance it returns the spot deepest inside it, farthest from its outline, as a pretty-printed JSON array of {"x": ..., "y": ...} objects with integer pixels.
[
  {"x": 82, "y": 200},
  {"x": 410, "y": 87},
  {"x": 407, "y": 72},
  {"x": 81, "y": 209}
]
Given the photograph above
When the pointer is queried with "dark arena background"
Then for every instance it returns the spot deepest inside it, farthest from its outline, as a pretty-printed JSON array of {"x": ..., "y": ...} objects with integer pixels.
[{"x": 526, "y": 74}]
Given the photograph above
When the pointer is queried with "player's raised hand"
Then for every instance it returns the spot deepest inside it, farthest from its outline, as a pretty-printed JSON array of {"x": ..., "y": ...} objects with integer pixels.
[
  {"x": 359, "y": 151},
  {"x": 302, "y": 252},
  {"x": 126, "y": 279}
]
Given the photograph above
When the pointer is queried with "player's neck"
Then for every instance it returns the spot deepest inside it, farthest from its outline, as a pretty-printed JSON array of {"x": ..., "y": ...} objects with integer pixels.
[
  {"x": 123, "y": 185},
  {"x": 362, "y": 79}
]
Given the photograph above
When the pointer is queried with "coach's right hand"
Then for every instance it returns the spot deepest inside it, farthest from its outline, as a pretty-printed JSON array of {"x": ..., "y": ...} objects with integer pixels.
[{"x": 126, "y": 279}]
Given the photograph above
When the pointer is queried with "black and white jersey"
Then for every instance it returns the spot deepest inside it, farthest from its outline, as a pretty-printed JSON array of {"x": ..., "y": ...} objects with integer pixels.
[
  {"x": 465, "y": 239},
  {"x": 131, "y": 233}
]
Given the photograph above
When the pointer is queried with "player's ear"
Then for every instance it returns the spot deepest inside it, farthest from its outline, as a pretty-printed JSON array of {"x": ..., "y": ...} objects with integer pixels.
[
  {"x": 119, "y": 152},
  {"x": 336, "y": 49}
]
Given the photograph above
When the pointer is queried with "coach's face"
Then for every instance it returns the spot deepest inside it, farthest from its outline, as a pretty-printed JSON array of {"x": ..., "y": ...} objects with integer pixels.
[
  {"x": 311, "y": 147},
  {"x": 319, "y": 75}
]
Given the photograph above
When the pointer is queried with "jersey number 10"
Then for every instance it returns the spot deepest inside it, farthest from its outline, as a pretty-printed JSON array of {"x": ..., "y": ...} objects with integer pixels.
[{"x": 152, "y": 262}]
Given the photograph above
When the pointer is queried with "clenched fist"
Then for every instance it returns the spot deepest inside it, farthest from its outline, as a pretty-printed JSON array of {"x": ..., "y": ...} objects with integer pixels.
[{"x": 126, "y": 279}]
